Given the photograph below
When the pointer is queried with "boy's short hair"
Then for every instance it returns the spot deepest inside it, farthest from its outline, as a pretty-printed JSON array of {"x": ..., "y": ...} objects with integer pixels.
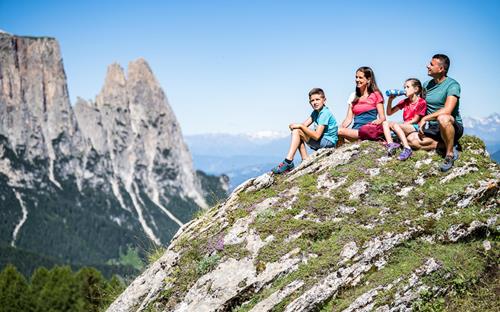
[{"x": 317, "y": 91}]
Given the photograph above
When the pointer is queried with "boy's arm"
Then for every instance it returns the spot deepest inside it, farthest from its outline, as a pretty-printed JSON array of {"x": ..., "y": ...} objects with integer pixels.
[
  {"x": 316, "y": 135},
  {"x": 306, "y": 123}
]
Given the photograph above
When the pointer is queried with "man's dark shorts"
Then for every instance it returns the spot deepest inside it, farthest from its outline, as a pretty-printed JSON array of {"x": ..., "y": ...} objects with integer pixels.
[{"x": 434, "y": 132}]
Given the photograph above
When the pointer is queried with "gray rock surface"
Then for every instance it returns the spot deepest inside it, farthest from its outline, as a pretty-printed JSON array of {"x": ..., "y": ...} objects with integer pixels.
[
  {"x": 285, "y": 283},
  {"x": 263, "y": 215},
  {"x": 121, "y": 157}
]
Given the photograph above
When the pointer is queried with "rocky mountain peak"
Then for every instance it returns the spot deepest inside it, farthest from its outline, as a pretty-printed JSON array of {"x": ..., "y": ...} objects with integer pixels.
[
  {"x": 113, "y": 91},
  {"x": 139, "y": 71},
  {"x": 350, "y": 229},
  {"x": 35, "y": 112},
  {"x": 114, "y": 170}
]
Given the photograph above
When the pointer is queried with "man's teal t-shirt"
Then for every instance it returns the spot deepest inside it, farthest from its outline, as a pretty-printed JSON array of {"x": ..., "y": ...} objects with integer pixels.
[
  {"x": 437, "y": 94},
  {"x": 325, "y": 117}
]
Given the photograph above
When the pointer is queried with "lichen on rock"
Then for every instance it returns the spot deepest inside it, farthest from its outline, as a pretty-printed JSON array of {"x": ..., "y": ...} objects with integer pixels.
[{"x": 348, "y": 229}]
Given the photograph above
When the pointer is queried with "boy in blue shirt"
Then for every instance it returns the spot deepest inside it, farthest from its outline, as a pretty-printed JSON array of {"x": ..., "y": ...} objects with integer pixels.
[{"x": 324, "y": 134}]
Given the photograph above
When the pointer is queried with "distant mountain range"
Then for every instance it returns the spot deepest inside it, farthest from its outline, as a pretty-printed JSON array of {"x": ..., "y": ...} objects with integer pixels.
[
  {"x": 239, "y": 156},
  {"x": 242, "y": 156},
  {"x": 488, "y": 129}
]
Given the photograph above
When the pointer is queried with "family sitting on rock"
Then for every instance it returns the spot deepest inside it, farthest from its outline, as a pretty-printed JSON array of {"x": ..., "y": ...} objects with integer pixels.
[{"x": 431, "y": 117}]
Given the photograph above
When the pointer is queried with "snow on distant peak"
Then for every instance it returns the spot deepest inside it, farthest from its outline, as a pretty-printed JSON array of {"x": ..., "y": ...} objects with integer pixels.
[{"x": 266, "y": 135}]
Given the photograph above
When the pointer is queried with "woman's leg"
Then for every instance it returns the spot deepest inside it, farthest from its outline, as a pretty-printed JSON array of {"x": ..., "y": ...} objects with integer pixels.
[{"x": 349, "y": 134}]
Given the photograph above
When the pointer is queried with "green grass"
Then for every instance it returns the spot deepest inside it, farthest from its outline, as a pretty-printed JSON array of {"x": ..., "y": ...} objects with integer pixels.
[{"x": 464, "y": 263}]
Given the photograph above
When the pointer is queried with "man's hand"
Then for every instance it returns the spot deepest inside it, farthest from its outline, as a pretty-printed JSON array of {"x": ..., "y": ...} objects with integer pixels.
[
  {"x": 421, "y": 125},
  {"x": 377, "y": 122}
]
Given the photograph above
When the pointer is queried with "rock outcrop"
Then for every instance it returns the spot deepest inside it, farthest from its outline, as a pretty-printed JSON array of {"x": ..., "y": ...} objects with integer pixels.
[
  {"x": 89, "y": 184},
  {"x": 337, "y": 233}
]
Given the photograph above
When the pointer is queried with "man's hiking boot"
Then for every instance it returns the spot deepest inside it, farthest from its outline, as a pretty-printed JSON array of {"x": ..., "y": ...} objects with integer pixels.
[
  {"x": 447, "y": 164},
  {"x": 455, "y": 152},
  {"x": 391, "y": 148},
  {"x": 405, "y": 154},
  {"x": 283, "y": 167}
]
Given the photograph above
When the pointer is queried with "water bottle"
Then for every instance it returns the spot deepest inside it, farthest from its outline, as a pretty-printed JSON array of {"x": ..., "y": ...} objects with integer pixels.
[{"x": 395, "y": 92}]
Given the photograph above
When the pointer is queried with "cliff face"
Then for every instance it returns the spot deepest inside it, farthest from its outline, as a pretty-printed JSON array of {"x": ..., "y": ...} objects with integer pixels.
[
  {"x": 34, "y": 105},
  {"x": 348, "y": 230},
  {"x": 132, "y": 124},
  {"x": 84, "y": 186}
]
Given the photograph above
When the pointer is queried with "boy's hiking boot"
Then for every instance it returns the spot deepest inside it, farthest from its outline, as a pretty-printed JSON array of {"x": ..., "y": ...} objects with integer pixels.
[
  {"x": 391, "y": 148},
  {"x": 283, "y": 167},
  {"x": 405, "y": 154}
]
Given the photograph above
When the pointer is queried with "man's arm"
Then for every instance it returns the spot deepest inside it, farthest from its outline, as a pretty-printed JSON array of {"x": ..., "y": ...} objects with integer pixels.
[{"x": 449, "y": 106}]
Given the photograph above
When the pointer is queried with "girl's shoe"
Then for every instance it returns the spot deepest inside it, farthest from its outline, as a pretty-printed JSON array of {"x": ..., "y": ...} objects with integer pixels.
[
  {"x": 391, "y": 148},
  {"x": 405, "y": 154}
]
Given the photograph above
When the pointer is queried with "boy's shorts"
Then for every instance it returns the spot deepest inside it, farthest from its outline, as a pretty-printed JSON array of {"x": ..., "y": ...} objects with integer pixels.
[
  {"x": 433, "y": 132},
  {"x": 415, "y": 126},
  {"x": 323, "y": 143}
]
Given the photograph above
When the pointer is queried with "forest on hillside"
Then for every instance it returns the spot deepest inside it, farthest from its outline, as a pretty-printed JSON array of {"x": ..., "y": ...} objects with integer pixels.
[{"x": 57, "y": 289}]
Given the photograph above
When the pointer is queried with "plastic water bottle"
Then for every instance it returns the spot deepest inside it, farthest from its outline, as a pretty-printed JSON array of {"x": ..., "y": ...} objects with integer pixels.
[{"x": 395, "y": 92}]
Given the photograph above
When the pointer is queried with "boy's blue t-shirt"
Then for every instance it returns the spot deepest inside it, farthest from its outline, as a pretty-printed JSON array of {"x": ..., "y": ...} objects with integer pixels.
[{"x": 325, "y": 117}]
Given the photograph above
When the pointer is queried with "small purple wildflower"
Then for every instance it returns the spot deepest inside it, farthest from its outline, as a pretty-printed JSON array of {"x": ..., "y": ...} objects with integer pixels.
[{"x": 215, "y": 243}]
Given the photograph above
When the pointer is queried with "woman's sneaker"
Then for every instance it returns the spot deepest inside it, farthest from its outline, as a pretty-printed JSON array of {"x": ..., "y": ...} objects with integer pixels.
[
  {"x": 405, "y": 154},
  {"x": 391, "y": 148},
  {"x": 283, "y": 167}
]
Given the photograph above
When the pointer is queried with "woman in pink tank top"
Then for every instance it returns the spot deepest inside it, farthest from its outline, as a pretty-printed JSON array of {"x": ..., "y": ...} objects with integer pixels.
[{"x": 366, "y": 105}]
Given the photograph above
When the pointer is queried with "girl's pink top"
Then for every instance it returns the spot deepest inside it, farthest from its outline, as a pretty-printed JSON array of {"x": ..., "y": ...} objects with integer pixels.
[{"x": 410, "y": 110}]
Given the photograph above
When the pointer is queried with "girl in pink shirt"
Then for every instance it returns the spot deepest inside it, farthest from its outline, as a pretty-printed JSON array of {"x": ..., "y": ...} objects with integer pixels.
[
  {"x": 414, "y": 108},
  {"x": 365, "y": 106}
]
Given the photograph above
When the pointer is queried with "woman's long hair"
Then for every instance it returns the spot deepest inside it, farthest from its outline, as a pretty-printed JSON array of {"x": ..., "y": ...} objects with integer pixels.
[{"x": 370, "y": 75}]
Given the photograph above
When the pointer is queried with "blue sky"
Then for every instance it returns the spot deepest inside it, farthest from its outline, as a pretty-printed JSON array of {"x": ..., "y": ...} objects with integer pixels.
[{"x": 246, "y": 66}]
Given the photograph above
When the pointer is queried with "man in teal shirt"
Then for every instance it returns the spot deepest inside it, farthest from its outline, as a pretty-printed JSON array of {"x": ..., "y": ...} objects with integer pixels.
[{"x": 443, "y": 116}]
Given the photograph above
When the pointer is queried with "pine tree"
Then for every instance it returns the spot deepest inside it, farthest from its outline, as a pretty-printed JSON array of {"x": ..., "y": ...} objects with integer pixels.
[
  {"x": 113, "y": 289},
  {"x": 13, "y": 290},
  {"x": 39, "y": 278},
  {"x": 92, "y": 288},
  {"x": 60, "y": 292}
]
